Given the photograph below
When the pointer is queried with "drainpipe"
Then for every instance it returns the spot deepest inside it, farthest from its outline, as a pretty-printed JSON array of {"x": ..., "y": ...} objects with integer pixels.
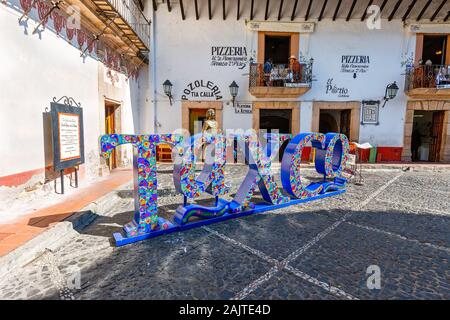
[{"x": 153, "y": 71}]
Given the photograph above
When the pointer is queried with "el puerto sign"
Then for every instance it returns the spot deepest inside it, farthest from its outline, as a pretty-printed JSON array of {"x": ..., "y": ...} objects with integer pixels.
[{"x": 330, "y": 160}]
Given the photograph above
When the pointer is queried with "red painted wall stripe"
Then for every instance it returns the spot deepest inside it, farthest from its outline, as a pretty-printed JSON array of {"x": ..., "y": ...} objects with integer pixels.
[
  {"x": 17, "y": 179},
  {"x": 389, "y": 154}
]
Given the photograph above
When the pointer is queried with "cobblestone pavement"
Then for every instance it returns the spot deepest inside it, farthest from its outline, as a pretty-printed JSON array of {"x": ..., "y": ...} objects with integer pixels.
[{"x": 397, "y": 221}]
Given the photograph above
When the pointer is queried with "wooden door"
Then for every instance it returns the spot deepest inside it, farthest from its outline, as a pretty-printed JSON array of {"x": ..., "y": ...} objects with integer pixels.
[
  {"x": 110, "y": 128},
  {"x": 436, "y": 135},
  {"x": 197, "y": 118},
  {"x": 345, "y": 122}
]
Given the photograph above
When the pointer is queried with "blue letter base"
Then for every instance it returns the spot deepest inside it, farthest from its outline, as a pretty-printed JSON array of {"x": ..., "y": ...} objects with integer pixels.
[{"x": 330, "y": 189}]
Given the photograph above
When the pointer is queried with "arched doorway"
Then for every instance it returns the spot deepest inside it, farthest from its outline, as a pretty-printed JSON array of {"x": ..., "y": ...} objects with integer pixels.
[{"x": 346, "y": 117}]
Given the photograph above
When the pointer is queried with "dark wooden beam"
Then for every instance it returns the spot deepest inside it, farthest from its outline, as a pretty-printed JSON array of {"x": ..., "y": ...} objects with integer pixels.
[
  {"x": 224, "y": 13},
  {"x": 280, "y": 10},
  {"x": 447, "y": 16},
  {"x": 238, "y": 10},
  {"x": 399, "y": 2},
  {"x": 308, "y": 10},
  {"x": 251, "y": 10},
  {"x": 437, "y": 10},
  {"x": 382, "y": 6},
  {"x": 337, "y": 10},
  {"x": 209, "y": 10},
  {"x": 141, "y": 5},
  {"x": 266, "y": 15},
  {"x": 365, "y": 11},
  {"x": 294, "y": 10},
  {"x": 197, "y": 14},
  {"x": 349, "y": 15},
  {"x": 169, "y": 7},
  {"x": 323, "y": 9},
  {"x": 411, "y": 6},
  {"x": 425, "y": 7},
  {"x": 155, "y": 6},
  {"x": 183, "y": 15}
]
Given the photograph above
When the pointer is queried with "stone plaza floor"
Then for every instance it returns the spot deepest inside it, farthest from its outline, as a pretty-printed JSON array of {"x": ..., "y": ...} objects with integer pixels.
[{"x": 396, "y": 221}]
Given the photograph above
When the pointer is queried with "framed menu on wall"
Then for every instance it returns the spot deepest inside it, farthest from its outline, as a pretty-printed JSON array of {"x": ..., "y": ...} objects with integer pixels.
[
  {"x": 68, "y": 137},
  {"x": 370, "y": 112}
]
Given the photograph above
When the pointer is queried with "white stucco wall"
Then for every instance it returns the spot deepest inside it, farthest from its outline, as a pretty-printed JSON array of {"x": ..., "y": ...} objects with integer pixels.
[
  {"x": 386, "y": 48},
  {"x": 183, "y": 54},
  {"x": 36, "y": 68}
]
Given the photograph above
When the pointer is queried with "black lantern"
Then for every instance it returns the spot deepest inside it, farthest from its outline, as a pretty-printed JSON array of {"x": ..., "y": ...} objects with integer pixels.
[
  {"x": 391, "y": 92},
  {"x": 167, "y": 85},
  {"x": 234, "y": 88}
]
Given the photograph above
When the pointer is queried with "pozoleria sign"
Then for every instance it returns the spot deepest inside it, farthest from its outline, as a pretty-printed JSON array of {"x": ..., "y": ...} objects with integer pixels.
[{"x": 201, "y": 89}]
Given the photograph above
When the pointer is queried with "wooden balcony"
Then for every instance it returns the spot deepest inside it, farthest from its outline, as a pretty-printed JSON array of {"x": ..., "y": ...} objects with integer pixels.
[
  {"x": 428, "y": 82},
  {"x": 122, "y": 22},
  {"x": 278, "y": 92},
  {"x": 281, "y": 82},
  {"x": 130, "y": 20}
]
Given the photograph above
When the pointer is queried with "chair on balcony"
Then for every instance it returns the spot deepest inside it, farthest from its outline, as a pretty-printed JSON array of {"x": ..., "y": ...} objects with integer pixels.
[
  {"x": 429, "y": 77},
  {"x": 263, "y": 78}
]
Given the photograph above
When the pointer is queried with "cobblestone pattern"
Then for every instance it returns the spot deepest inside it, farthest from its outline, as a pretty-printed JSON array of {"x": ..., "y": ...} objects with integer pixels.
[{"x": 399, "y": 221}]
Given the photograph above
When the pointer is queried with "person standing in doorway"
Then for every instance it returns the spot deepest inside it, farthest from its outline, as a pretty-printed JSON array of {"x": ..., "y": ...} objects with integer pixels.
[{"x": 295, "y": 68}]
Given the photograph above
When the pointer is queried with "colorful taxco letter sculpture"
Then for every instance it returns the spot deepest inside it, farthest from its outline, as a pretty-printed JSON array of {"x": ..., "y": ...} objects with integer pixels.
[{"x": 331, "y": 153}]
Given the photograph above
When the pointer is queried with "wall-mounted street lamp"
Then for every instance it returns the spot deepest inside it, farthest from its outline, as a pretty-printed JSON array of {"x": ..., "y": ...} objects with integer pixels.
[
  {"x": 167, "y": 85},
  {"x": 234, "y": 88},
  {"x": 391, "y": 92}
]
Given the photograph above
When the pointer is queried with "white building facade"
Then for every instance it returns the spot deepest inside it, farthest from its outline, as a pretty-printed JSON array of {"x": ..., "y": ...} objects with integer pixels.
[
  {"x": 347, "y": 54},
  {"x": 49, "y": 53},
  {"x": 355, "y": 56}
]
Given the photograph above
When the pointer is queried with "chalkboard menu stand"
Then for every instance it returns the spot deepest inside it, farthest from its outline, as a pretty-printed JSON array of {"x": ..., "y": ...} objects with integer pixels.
[{"x": 68, "y": 137}]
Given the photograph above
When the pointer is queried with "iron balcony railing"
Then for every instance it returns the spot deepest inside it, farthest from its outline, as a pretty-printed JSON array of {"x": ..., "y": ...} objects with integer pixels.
[
  {"x": 428, "y": 76},
  {"x": 281, "y": 75},
  {"x": 133, "y": 15}
]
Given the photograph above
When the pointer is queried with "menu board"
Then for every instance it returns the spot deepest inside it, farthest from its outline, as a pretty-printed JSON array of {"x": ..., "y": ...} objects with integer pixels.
[
  {"x": 370, "y": 112},
  {"x": 67, "y": 128},
  {"x": 69, "y": 136}
]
